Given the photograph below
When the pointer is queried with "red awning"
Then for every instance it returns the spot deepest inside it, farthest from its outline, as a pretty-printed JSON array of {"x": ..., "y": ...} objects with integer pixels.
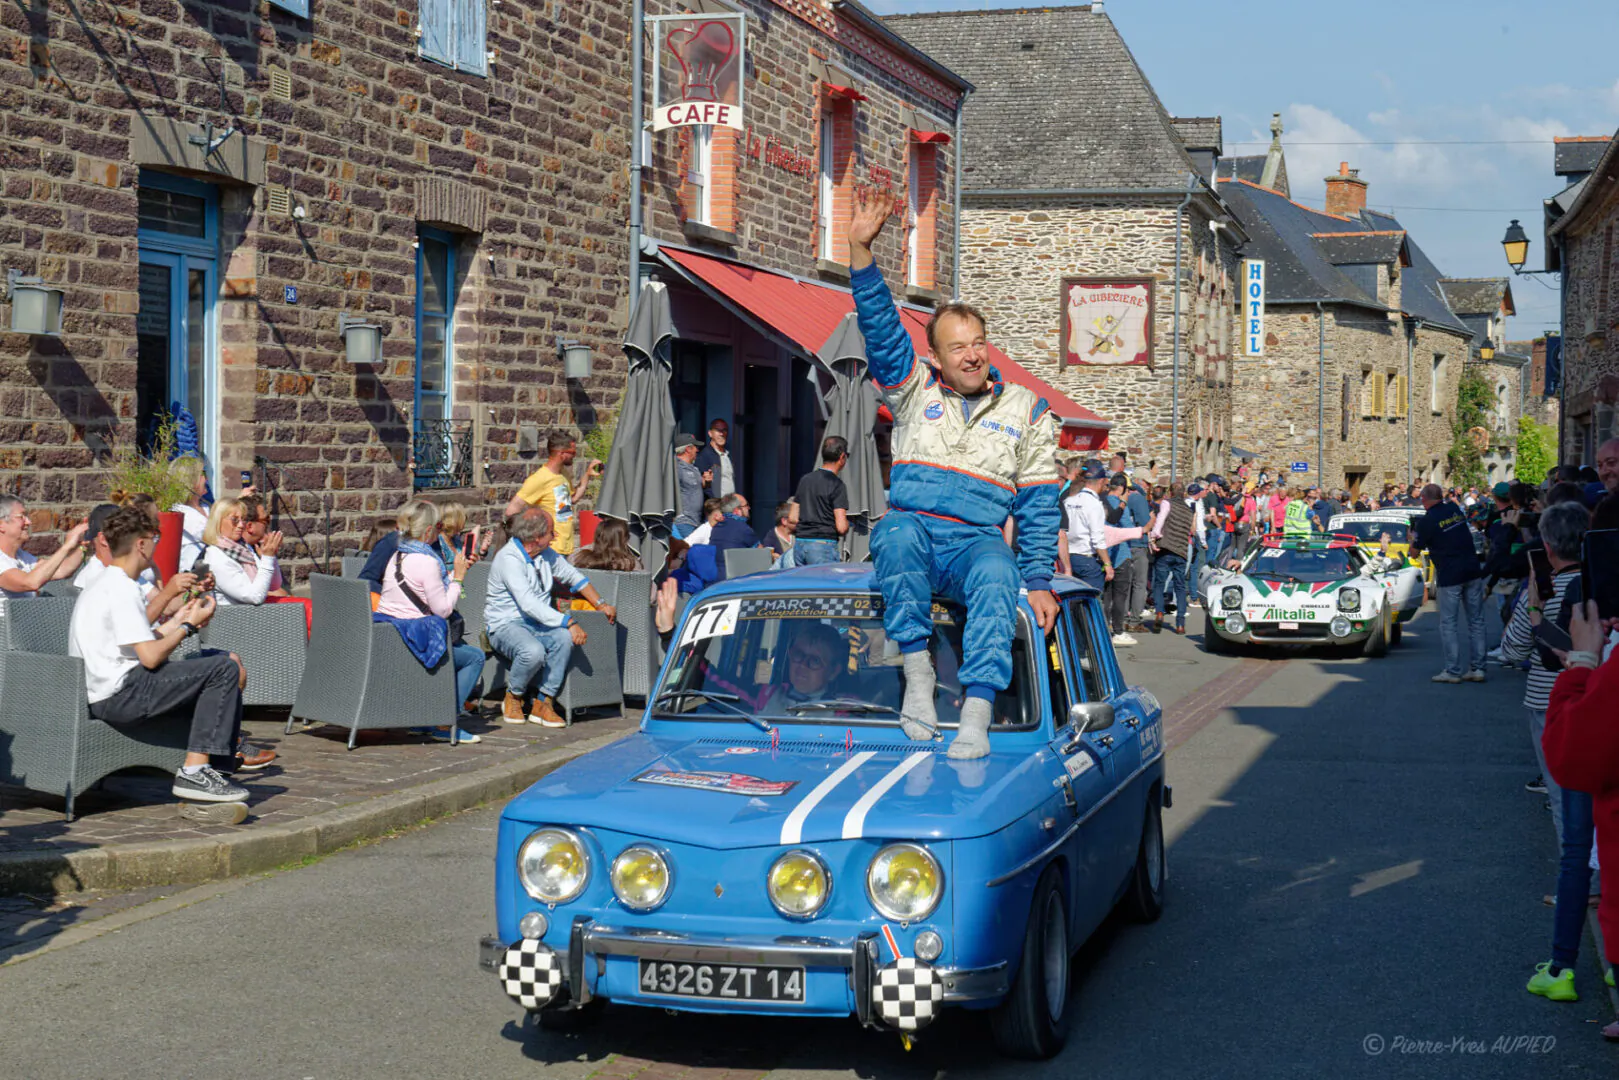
[
  {"x": 929, "y": 136},
  {"x": 848, "y": 92},
  {"x": 806, "y": 313}
]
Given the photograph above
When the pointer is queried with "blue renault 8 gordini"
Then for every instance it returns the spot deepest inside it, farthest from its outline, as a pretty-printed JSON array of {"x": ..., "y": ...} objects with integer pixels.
[{"x": 770, "y": 842}]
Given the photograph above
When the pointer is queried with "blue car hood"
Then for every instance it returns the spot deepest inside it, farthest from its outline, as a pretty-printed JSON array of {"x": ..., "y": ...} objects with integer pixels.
[{"x": 737, "y": 793}]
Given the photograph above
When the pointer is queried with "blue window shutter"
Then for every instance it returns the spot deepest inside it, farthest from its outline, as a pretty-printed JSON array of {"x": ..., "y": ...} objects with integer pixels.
[
  {"x": 435, "y": 21},
  {"x": 471, "y": 45},
  {"x": 299, "y": 8}
]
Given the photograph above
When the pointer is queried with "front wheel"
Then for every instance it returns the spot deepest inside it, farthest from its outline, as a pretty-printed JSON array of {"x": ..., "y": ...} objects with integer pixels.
[
  {"x": 1377, "y": 643},
  {"x": 1144, "y": 901},
  {"x": 1032, "y": 1023},
  {"x": 570, "y": 1020},
  {"x": 1213, "y": 643},
  {"x": 1394, "y": 635}
]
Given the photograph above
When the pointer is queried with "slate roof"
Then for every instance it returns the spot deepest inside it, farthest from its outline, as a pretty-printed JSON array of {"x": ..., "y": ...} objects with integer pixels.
[
  {"x": 1249, "y": 167},
  {"x": 1200, "y": 133},
  {"x": 1060, "y": 102},
  {"x": 1362, "y": 247},
  {"x": 1578, "y": 154},
  {"x": 1296, "y": 243},
  {"x": 1475, "y": 296}
]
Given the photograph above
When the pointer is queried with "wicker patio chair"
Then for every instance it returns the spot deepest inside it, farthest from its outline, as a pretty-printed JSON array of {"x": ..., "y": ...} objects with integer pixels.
[
  {"x": 740, "y": 562},
  {"x": 631, "y": 593},
  {"x": 353, "y": 564},
  {"x": 36, "y": 624},
  {"x": 271, "y": 640},
  {"x": 359, "y": 673},
  {"x": 60, "y": 587},
  {"x": 593, "y": 677},
  {"x": 474, "y": 594}
]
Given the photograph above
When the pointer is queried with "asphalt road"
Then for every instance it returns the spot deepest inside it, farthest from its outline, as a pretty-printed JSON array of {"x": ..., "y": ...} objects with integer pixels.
[{"x": 1356, "y": 877}]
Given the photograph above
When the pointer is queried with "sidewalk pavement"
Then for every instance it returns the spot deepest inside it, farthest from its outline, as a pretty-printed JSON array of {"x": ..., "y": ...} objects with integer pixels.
[{"x": 317, "y": 797}]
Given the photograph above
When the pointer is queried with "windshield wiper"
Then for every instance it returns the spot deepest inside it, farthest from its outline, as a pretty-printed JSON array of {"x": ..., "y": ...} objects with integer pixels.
[
  {"x": 841, "y": 705},
  {"x": 719, "y": 698}
]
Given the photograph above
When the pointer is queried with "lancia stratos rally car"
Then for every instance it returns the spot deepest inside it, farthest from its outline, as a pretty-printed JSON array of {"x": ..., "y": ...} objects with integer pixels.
[
  {"x": 770, "y": 843},
  {"x": 1310, "y": 590}
]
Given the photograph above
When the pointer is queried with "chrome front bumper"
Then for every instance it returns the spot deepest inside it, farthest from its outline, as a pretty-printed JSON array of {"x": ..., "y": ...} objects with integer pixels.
[{"x": 590, "y": 943}]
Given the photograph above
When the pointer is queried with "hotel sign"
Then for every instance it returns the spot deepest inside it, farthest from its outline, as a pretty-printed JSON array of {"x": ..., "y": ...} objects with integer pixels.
[
  {"x": 1253, "y": 307},
  {"x": 697, "y": 70}
]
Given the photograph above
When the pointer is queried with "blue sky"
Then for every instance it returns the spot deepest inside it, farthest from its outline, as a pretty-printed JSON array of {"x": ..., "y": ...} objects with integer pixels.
[{"x": 1418, "y": 77}]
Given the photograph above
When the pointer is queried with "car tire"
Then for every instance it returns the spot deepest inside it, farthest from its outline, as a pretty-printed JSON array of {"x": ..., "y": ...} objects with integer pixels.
[
  {"x": 1032, "y": 1023},
  {"x": 568, "y": 1020},
  {"x": 1377, "y": 644},
  {"x": 1213, "y": 643},
  {"x": 1394, "y": 635},
  {"x": 1144, "y": 900}
]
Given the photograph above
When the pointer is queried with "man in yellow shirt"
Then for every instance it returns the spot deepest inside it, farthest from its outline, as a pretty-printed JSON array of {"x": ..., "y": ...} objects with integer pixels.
[{"x": 549, "y": 488}]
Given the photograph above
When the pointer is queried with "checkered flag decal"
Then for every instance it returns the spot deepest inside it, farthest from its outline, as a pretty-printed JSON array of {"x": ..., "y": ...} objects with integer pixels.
[
  {"x": 530, "y": 973},
  {"x": 908, "y": 993}
]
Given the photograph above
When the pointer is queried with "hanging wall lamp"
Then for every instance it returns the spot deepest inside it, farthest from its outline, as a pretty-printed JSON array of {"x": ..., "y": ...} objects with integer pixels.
[
  {"x": 362, "y": 341},
  {"x": 36, "y": 308},
  {"x": 575, "y": 357}
]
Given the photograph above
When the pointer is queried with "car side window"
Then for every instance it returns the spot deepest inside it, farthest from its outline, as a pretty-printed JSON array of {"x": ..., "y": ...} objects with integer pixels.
[
  {"x": 1057, "y": 676},
  {"x": 1086, "y": 662}
]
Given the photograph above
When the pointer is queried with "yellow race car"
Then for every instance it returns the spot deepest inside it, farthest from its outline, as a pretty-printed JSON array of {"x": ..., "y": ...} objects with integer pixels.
[{"x": 1396, "y": 523}]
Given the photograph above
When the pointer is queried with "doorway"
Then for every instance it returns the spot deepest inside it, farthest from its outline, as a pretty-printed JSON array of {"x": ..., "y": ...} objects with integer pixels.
[
  {"x": 176, "y": 328},
  {"x": 760, "y": 446}
]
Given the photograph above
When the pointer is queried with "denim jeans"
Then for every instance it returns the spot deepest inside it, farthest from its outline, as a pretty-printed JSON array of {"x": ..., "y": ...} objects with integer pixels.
[
  {"x": 1573, "y": 877},
  {"x": 1216, "y": 541},
  {"x": 206, "y": 683},
  {"x": 1554, "y": 793},
  {"x": 814, "y": 552},
  {"x": 1454, "y": 602},
  {"x": 468, "y": 669},
  {"x": 533, "y": 651},
  {"x": 1088, "y": 568},
  {"x": 1116, "y": 595},
  {"x": 1170, "y": 570}
]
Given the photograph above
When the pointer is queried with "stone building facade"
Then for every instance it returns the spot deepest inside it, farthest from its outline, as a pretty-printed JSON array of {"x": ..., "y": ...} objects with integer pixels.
[
  {"x": 1076, "y": 171},
  {"x": 212, "y": 186},
  {"x": 1362, "y": 355},
  {"x": 1589, "y": 258}
]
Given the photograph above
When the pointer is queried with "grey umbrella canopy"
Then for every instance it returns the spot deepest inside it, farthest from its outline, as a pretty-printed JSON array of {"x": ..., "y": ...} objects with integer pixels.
[
  {"x": 852, "y": 413},
  {"x": 638, "y": 484}
]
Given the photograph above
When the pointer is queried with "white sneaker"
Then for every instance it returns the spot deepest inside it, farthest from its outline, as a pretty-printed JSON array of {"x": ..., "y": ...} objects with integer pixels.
[
  {"x": 1123, "y": 639},
  {"x": 1447, "y": 677},
  {"x": 1473, "y": 676},
  {"x": 1495, "y": 655}
]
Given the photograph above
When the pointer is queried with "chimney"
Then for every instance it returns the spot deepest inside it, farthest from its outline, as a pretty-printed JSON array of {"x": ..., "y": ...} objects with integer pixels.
[{"x": 1346, "y": 192}]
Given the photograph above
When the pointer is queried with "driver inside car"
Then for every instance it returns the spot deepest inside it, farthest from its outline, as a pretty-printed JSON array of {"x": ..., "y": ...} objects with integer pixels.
[{"x": 816, "y": 654}]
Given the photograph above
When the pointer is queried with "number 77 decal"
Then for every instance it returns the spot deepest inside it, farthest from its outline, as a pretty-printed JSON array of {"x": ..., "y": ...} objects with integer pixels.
[{"x": 714, "y": 620}]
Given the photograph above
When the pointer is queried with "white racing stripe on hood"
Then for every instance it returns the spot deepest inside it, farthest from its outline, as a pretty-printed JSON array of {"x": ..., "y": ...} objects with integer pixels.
[
  {"x": 855, "y": 824},
  {"x": 792, "y": 830}
]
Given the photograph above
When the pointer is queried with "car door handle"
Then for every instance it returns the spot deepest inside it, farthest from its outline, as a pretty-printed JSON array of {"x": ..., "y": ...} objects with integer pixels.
[
  {"x": 1133, "y": 721},
  {"x": 1105, "y": 740}
]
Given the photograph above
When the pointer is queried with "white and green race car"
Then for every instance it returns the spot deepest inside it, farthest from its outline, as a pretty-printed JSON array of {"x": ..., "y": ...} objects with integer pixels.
[{"x": 1310, "y": 590}]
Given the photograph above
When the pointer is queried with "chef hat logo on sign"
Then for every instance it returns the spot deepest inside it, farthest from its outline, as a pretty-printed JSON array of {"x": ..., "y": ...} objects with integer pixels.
[{"x": 697, "y": 70}]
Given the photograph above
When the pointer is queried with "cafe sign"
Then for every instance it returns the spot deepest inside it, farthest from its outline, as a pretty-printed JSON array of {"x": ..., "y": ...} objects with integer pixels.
[{"x": 697, "y": 70}]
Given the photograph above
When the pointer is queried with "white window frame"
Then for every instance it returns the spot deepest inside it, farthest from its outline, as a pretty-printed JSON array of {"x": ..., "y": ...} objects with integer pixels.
[
  {"x": 913, "y": 216},
  {"x": 1436, "y": 383},
  {"x": 700, "y": 174},
  {"x": 825, "y": 186}
]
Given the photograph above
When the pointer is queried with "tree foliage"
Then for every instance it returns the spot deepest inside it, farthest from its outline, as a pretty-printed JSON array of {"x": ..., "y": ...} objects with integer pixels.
[
  {"x": 1536, "y": 450},
  {"x": 1475, "y": 399}
]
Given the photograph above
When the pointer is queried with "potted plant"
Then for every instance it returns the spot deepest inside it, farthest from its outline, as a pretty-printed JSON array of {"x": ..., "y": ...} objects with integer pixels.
[
  {"x": 153, "y": 472},
  {"x": 598, "y": 444}
]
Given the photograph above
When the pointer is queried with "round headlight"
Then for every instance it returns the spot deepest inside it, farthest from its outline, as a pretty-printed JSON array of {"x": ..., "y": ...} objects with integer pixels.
[
  {"x": 1348, "y": 599},
  {"x": 904, "y": 882},
  {"x": 641, "y": 878},
  {"x": 1231, "y": 597},
  {"x": 553, "y": 865},
  {"x": 1235, "y": 623},
  {"x": 798, "y": 884},
  {"x": 1340, "y": 627}
]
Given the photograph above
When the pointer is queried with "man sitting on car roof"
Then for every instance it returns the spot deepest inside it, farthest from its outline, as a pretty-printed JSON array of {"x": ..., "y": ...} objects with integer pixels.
[{"x": 969, "y": 451}]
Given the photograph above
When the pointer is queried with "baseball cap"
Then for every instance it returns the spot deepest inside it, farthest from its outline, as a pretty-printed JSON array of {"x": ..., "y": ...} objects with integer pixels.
[
  {"x": 1194, "y": 488},
  {"x": 1092, "y": 470},
  {"x": 1502, "y": 490},
  {"x": 683, "y": 440}
]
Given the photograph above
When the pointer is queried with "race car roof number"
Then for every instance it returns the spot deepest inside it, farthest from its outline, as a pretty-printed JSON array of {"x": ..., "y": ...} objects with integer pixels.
[{"x": 712, "y": 620}]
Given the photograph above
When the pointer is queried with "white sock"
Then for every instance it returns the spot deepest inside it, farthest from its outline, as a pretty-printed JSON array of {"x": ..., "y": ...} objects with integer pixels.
[
  {"x": 972, "y": 737},
  {"x": 191, "y": 770},
  {"x": 917, "y": 717}
]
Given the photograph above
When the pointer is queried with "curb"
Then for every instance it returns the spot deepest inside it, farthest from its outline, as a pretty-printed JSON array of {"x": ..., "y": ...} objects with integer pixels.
[
  {"x": 252, "y": 851},
  {"x": 1602, "y": 960}
]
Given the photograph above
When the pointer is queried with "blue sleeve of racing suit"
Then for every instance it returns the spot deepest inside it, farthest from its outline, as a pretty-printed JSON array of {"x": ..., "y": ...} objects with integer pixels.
[
  {"x": 1034, "y": 507},
  {"x": 888, "y": 347}
]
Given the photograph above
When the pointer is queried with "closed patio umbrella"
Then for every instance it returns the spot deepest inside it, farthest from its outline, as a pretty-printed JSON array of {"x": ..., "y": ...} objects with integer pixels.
[
  {"x": 852, "y": 413},
  {"x": 638, "y": 484}
]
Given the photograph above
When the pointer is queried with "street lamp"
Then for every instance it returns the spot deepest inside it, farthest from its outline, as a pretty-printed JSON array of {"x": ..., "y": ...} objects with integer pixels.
[
  {"x": 1486, "y": 351},
  {"x": 1516, "y": 244}
]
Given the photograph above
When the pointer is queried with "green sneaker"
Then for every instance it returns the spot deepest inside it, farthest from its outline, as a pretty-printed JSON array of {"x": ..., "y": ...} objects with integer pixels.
[
  {"x": 1553, "y": 987},
  {"x": 1608, "y": 978}
]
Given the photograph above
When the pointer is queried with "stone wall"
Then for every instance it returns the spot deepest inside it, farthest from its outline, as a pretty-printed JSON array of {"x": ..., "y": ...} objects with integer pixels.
[
  {"x": 772, "y": 208},
  {"x": 1591, "y": 327},
  {"x": 529, "y": 172},
  {"x": 1014, "y": 255},
  {"x": 1275, "y": 409}
]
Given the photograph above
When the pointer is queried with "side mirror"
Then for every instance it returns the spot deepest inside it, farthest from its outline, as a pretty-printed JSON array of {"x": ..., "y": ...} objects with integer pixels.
[{"x": 1090, "y": 716}]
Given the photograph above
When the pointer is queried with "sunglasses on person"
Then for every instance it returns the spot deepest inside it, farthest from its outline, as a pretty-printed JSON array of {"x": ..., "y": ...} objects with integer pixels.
[{"x": 808, "y": 660}]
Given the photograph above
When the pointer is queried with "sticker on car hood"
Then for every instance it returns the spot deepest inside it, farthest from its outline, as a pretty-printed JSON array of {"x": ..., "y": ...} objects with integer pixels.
[{"x": 728, "y": 782}]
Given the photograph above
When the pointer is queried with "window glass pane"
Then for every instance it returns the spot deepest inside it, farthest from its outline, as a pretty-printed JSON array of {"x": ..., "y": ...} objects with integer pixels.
[
  {"x": 432, "y": 408},
  {"x": 151, "y": 351},
  {"x": 436, "y": 284},
  {"x": 196, "y": 344},
  {"x": 172, "y": 212},
  {"x": 431, "y": 373},
  {"x": 1090, "y": 677}
]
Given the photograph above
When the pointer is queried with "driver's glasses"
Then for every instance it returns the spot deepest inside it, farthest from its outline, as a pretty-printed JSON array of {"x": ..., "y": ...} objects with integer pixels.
[{"x": 807, "y": 660}]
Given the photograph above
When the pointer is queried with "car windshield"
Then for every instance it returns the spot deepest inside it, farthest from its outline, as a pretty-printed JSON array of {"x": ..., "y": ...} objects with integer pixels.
[
  {"x": 1398, "y": 531},
  {"x": 815, "y": 660},
  {"x": 1301, "y": 564}
]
